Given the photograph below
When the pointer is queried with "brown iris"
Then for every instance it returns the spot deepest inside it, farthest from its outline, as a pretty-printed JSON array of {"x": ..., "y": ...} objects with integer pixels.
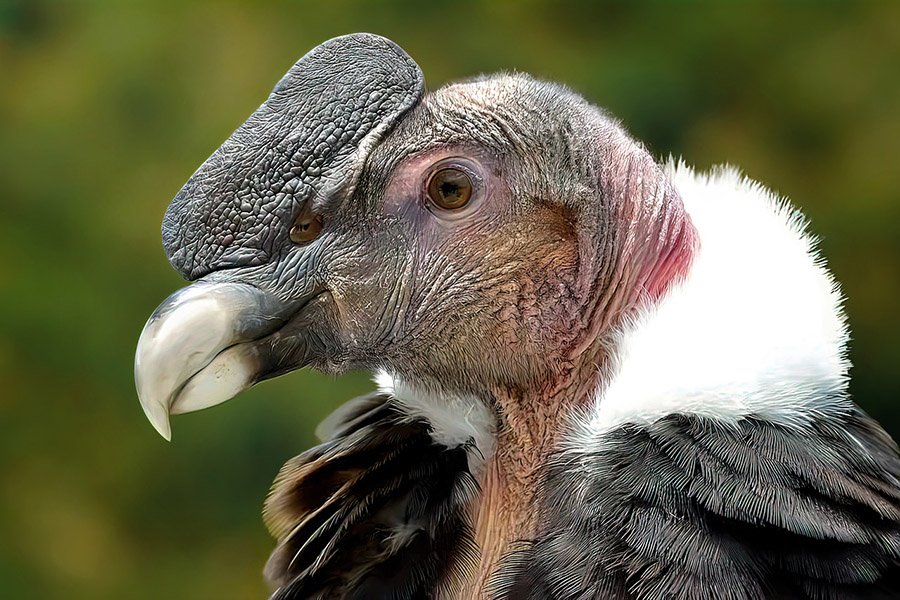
[
  {"x": 306, "y": 228},
  {"x": 450, "y": 188}
]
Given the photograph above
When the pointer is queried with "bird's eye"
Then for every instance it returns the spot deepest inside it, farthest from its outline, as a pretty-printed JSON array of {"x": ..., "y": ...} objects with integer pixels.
[
  {"x": 306, "y": 228},
  {"x": 450, "y": 188}
]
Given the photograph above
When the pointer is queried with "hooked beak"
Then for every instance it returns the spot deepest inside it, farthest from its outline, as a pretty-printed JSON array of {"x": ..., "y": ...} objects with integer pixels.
[{"x": 208, "y": 342}]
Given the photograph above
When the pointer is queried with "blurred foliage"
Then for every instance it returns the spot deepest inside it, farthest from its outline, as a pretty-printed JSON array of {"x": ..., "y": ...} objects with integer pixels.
[{"x": 106, "y": 108}]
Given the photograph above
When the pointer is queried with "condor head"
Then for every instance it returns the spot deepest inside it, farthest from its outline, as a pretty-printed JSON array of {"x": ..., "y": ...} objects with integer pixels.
[{"x": 480, "y": 235}]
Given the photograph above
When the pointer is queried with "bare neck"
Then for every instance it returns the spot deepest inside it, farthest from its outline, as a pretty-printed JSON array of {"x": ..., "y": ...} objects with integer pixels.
[{"x": 530, "y": 423}]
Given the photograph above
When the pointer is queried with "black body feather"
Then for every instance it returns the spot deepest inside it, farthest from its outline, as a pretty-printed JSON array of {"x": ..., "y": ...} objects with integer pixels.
[{"x": 689, "y": 507}]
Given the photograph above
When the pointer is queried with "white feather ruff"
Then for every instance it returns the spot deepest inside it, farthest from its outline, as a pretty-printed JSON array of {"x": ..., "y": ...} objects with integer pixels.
[{"x": 755, "y": 328}]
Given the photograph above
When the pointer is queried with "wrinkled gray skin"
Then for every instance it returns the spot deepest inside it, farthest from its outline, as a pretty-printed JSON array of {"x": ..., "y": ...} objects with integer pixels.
[{"x": 463, "y": 298}]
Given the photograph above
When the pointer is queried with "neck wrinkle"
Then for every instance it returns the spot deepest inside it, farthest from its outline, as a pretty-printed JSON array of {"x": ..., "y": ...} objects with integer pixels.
[
  {"x": 529, "y": 426},
  {"x": 653, "y": 244},
  {"x": 659, "y": 239}
]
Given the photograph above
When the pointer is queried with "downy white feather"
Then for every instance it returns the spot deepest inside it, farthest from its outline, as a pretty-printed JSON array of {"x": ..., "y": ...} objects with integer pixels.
[
  {"x": 455, "y": 419},
  {"x": 755, "y": 328}
]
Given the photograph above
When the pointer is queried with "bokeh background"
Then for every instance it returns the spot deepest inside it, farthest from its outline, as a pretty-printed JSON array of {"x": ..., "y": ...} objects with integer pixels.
[{"x": 106, "y": 108}]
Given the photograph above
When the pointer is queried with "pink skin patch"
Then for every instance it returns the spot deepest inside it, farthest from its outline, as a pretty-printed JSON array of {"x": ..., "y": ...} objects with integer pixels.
[
  {"x": 673, "y": 265},
  {"x": 660, "y": 239}
]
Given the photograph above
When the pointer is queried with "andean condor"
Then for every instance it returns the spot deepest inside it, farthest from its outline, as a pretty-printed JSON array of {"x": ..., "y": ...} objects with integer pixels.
[{"x": 598, "y": 375}]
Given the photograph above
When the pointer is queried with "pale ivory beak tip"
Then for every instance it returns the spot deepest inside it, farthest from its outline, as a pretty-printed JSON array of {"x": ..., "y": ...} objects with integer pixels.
[
  {"x": 159, "y": 418},
  {"x": 165, "y": 431}
]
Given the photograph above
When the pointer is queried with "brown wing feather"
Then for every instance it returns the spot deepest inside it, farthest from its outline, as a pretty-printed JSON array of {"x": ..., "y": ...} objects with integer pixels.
[{"x": 377, "y": 510}]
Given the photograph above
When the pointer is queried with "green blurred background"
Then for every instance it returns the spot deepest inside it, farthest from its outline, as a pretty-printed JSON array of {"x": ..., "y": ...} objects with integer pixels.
[{"x": 107, "y": 108}]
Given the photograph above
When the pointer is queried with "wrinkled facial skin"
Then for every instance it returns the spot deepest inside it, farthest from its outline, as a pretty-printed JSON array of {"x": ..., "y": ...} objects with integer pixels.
[
  {"x": 494, "y": 293},
  {"x": 485, "y": 292}
]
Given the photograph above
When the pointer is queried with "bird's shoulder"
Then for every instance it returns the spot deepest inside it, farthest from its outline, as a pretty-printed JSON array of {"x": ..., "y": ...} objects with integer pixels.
[{"x": 694, "y": 507}]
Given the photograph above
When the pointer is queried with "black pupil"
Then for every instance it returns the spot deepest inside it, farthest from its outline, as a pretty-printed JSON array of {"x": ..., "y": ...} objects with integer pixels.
[{"x": 451, "y": 188}]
